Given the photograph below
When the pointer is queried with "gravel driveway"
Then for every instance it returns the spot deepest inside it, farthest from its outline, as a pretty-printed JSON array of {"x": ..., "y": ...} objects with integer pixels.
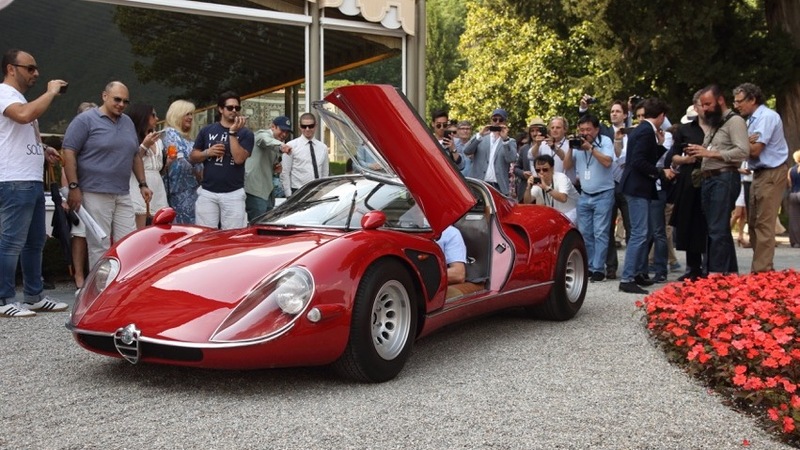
[{"x": 503, "y": 382}]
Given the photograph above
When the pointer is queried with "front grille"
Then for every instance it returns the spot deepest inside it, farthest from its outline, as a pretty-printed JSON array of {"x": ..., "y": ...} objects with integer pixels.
[{"x": 147, "y": 350}]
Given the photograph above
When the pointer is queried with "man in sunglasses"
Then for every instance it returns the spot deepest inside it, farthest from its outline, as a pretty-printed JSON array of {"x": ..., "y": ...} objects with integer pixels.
[
  {"x": 223, "y": 147},
  {"x": 550, "y": 188},
  {"x": 101, "y": 149},
  {"x": 22, "y": 212},
  {"x": 492, "y": 152},
  {"x": 308, "y": 158}
]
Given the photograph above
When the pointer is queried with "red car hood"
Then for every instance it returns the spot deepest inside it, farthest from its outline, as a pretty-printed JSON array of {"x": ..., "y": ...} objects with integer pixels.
[
  {"x": 386, "y": 118},
  {"x": 186, "y": 290}
]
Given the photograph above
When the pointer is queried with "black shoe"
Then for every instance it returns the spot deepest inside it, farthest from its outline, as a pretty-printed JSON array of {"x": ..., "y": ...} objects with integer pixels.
[
  {"x": 689, "y": 275},
  {"x": 597, "y": 276},
  {"x": 611, "y": 275},
  {"x": 659, "y": 279},
  {"x": 642, "y": 280},
  {"x": 631, "y": 288}
]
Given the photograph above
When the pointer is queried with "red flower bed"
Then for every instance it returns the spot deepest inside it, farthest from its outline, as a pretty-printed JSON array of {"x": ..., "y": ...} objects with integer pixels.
[{"x": 740, "y": 335}]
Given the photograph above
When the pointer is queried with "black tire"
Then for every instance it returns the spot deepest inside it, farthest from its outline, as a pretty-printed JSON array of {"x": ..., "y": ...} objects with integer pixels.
[
  {"x": 383, "y": 325},
  {"x": 569, "y": 285}
]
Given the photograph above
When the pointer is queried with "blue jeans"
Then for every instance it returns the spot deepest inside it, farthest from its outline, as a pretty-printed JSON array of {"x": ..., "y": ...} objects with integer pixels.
[
  {"x": 256, "y": 206},
  {"x": 594, "y": 218},
  {"x": 22, "y": 237},
  {"x": 718, "y": 194},
  {"x": 636, "y": 252},
  {"x": 658, "y": 236}
]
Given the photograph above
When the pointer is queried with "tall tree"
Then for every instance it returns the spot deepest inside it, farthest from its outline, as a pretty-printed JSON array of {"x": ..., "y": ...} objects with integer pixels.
[
  {"x": 783, "y": 16},
  {"x": 443, "y": 62}
]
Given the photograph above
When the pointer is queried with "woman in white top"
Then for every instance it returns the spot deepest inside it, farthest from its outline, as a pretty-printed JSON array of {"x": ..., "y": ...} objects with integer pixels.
[{"x": 152, "y": 150}]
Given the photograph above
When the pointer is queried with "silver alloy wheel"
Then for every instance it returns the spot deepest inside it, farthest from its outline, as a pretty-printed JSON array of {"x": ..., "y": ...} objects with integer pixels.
[
  {"x": 391, "y": 320},
  {"x": 575, "y": 275}
]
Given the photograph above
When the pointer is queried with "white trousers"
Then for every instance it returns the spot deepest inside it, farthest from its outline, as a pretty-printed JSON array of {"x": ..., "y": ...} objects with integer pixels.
[
  {"x": 221, "y": 210},
  {"x": 114, "y": 214}
]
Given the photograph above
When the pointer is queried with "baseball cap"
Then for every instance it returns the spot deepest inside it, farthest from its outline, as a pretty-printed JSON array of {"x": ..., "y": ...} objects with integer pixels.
[
  {"x": 500, "y": 112},
  {"x": 283, "y": 123}
]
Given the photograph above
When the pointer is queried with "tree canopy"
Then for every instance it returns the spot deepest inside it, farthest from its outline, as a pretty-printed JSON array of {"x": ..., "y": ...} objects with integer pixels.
[{"x": 538, "y": 57}]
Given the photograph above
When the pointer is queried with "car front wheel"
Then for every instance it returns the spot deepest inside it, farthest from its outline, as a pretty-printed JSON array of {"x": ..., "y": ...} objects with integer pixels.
[{"x": 383, "y": 325}]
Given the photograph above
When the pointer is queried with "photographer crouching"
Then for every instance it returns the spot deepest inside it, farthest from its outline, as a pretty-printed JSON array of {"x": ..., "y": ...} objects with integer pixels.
[{"x": 551, "y": 188}]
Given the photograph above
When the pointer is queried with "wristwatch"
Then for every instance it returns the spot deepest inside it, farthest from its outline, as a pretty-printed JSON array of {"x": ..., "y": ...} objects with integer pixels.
[
  {"x": 73, "y": 185},
  {"x": 142, "y": 184},
  {"x": 232, "y": 132}
]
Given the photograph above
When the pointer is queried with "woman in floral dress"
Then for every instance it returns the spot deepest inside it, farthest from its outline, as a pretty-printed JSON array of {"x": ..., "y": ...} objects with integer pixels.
[{"x": 183, "y": 177}]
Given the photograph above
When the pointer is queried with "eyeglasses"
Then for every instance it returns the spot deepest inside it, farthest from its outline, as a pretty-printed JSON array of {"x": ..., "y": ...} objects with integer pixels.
[
  {"x": 121, "y": 100},
  {"x": 465, "y": 128},
  {"x": 440, "y": 125},
  {"x": 307, "y": 126},
  {"x": 741, "y": 100},
  {"x": 233, "y": 107},
  {"x": 542, "y": 169},
  {"x": 30, "y": 67},
  {"x": 498, "y": 119}
]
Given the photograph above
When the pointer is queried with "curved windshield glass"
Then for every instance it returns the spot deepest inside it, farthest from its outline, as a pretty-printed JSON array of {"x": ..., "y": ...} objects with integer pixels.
[{"x": 341, "y": 202}]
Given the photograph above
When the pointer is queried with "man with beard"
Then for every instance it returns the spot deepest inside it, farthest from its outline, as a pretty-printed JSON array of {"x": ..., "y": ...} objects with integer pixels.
[
  {"x": 725, "y": 146},
  {"x": 768, "y": 154}
]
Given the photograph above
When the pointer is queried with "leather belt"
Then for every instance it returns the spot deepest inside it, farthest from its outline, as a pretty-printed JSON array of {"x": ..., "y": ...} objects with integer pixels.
[{"x": 715, "y": 172}]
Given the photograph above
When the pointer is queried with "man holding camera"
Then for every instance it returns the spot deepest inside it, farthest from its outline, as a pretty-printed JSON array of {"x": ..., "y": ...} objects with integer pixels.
[
  {"x": 22, "y": 212},
  {"x": 445, "y": 133},
  {"x": 591, "y": 155},
  {"x": 551, "y": 188},
  {"x": 493, "y": 152},
  {"x": 555, "y": 144}
]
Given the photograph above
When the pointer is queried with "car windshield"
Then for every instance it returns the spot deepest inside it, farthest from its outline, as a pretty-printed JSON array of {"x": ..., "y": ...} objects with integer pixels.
[{"x": 341, "y": 202}]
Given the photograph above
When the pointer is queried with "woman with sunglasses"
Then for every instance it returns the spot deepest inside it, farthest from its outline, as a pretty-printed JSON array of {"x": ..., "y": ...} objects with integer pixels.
[
  {"x": 152, "y": 151},
  {"x": 550, "y": 188}
]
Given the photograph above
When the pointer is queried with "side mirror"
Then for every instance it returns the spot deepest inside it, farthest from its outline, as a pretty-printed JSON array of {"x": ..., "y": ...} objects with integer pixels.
[
  {"x": 373, "y": 220},
  {"x": 164, "y": 216}
]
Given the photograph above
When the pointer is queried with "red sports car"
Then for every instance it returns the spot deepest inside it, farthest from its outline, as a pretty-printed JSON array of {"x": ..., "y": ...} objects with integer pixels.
[{"x": 345, "y": 272}]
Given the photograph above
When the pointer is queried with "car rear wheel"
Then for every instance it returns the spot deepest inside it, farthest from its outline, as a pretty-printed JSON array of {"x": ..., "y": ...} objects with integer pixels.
[
  {"x": 383, "y": 325},
  {"x": 569, "y": 285}
]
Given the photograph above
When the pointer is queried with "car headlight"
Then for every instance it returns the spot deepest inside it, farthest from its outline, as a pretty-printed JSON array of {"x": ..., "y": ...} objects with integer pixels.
[
  {"x": 270, "y": 308},
  {"x": 99, "y": 279}
]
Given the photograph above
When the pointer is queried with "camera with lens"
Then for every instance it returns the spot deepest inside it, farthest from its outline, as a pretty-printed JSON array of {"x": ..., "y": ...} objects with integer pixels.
[
  {"x": 591, "y": 100},
  {"x": 576, "y": 141},
  {"x": 537, "y": 180},
  {"x": 635, "y": 99},
  {"x": 448, "y": 134},
  {"x": 542, "y": 131}
]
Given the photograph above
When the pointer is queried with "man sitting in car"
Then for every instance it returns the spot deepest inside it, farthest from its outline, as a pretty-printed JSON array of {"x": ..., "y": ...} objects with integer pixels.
[{"x": 455, "y": 254}]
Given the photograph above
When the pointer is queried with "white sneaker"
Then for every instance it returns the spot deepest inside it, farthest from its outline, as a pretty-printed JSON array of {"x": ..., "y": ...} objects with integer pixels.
[
  {"x": 15, "y": 310},
  {"x": 46, "y": 304}
]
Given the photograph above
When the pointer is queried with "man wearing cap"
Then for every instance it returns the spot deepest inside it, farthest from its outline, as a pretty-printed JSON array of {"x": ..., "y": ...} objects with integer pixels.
[
  {"x": 269, "y": 144},
  {"x": 492, "y": 152},
  {"x": 537, "y": 132},
  {"x": 768, "y": 155}
]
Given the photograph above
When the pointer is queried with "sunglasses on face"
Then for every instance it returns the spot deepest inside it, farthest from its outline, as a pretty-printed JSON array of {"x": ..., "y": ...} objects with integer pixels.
[
  {"x": 307, "y": 126},
  {"x": 542, "y": 169},
  {"x": 498, "y": 119},
  {"x": 30, "y": 68},
  {"x": 233, "y": 107},
  {"x": 440, "y": 125},
  {"x": 124, "y": 101}
]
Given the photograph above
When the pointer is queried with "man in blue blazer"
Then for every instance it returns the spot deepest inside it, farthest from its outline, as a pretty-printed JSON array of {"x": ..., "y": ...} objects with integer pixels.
[
  {"x": 638, "y": 183},
  {"x": 493, "y": 152}
]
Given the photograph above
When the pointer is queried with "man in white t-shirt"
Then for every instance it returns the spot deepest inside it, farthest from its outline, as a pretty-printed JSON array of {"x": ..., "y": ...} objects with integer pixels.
[
  {"x": 22, "y": 214},
  {"x": 551, "y": 188}
]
